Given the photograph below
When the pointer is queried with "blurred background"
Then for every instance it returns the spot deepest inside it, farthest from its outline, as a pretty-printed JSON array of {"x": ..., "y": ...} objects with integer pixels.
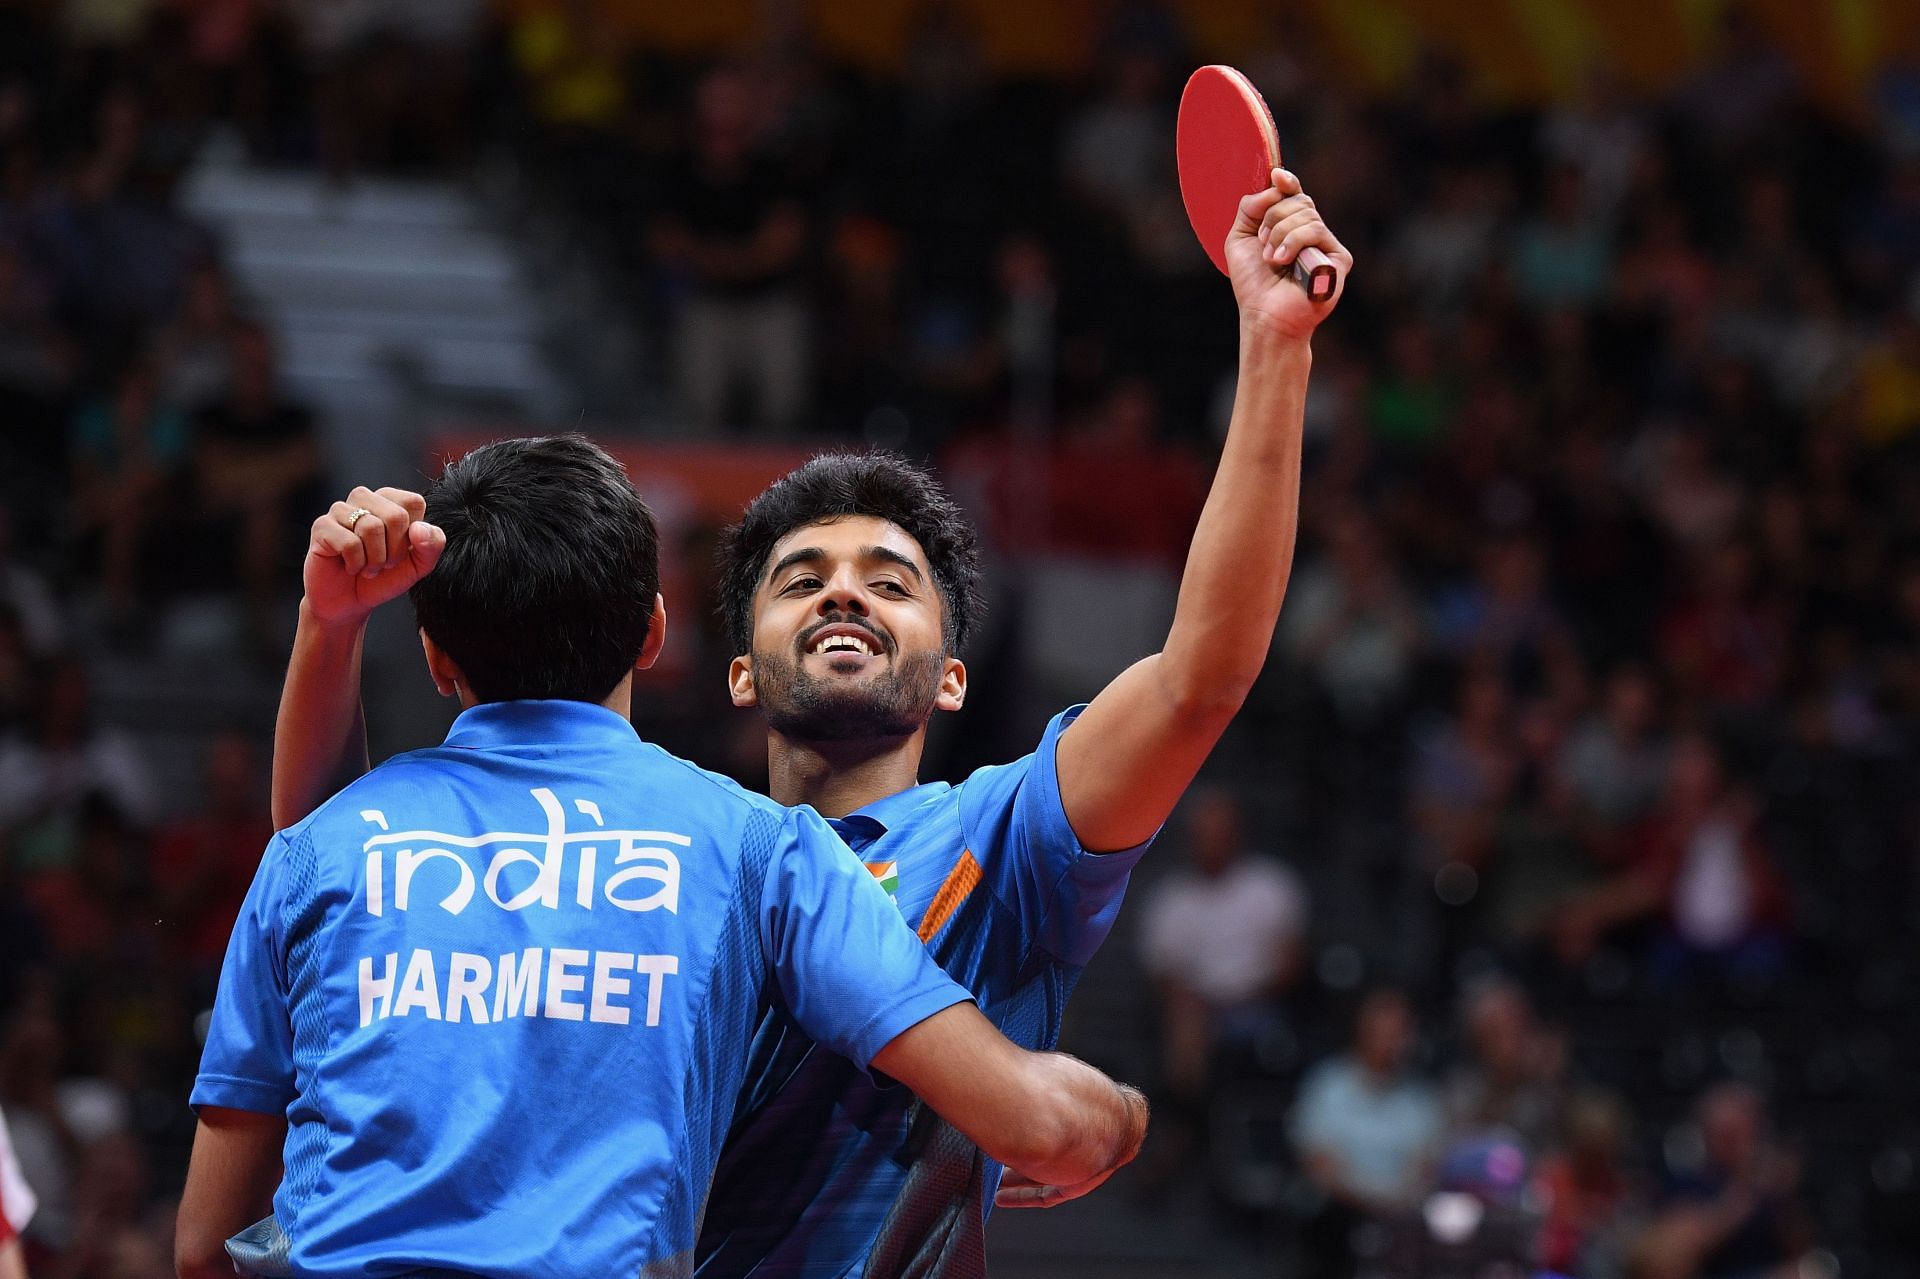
[{"x": 1550, "y": 908}]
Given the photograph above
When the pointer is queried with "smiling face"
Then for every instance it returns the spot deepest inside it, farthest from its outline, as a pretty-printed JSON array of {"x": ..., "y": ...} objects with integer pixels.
[{"x": 847, "y": 641}]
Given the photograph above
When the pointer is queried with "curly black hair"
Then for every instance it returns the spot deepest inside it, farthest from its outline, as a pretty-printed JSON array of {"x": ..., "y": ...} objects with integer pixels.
[{"x": 875, "y": 483}]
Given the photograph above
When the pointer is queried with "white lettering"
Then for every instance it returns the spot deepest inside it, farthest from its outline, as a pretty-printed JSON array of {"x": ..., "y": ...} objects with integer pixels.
[
  {"x": 561, "y": 983},
  {"x": 406, "y": 861},
  {"x": 419, "y": 988},
  {"x": 372, "y": 988},
  {"x": 666, "y": 874},
  {"x": 545, "y": 887},
  {"x": 656, "y": 967},
  {"x": 589, "y": 857},
  {"x": 518, "y": 991},
  {"x": 605, "y": 984},
  {"x": 467, "y": 983},
  {"x": 583, "y": 891},
  {"x": 486, "y": 860}
]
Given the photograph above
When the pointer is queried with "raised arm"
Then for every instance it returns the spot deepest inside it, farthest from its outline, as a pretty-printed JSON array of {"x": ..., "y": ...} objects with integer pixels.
[
  {"x": 1125, "y": 762},
  {"x": 1052, "y": 1118},
  {"x": 355, "y": 563}
]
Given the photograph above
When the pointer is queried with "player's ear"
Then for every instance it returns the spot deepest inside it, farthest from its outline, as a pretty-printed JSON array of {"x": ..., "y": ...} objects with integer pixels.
[
  {"x": 953, "y": 686},
  {"x": 656, "y": 634},
  {"x": 740, "y": 681},
  {"x": 446, "y": 676}
]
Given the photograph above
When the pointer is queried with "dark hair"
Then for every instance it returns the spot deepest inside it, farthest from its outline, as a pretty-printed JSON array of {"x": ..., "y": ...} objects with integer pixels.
[
  {"x": 547, "y": 584},
  {"x": 876, "y": 483}
]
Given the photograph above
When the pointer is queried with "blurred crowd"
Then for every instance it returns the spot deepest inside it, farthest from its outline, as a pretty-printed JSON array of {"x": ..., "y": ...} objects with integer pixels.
[{"x": 1554, "y": 893}]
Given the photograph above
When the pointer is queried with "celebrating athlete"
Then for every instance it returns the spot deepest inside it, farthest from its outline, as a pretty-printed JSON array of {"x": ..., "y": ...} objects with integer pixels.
[
  {"x": 850, "y": 587},
  {"x": 486, "y": 1011}
]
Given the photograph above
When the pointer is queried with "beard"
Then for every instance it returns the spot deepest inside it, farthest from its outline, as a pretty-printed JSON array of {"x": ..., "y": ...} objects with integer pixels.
[{"x": 894, "y": 703}]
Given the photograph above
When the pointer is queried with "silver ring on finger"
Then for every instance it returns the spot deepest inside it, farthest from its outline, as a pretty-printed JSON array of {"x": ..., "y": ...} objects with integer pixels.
[{"x": 355, "y": 516}]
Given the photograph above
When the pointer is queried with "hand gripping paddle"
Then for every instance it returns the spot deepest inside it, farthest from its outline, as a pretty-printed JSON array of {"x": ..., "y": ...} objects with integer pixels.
[{"x": 1227, "y": 150}]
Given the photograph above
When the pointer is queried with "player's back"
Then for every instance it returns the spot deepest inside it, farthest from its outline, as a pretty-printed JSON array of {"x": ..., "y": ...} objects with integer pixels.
[{"x": 520, "y": 970}]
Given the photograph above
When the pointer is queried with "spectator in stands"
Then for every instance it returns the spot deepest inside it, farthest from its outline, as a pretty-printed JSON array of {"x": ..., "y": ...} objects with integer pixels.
[
  {"x": 1615, "y": 761},
  {"x": 1506, "y": 619},
  {"x": 1412, "y": 403},
  {"x": 732, "y": 235},
  {"x": 1723, "y": 641},
  {"x": 127, "y": 451},
  {"x": 1510, "y": 1081},
  {"x": 256, "y": 469},
  {"x": 1699, "y": 865},
  {"x": 1117, "y": 155},
  {"x": 32, "y": 1044},
  {"x": 1738, "y": 1213},
  {"x": 49, "y": 765},
  {"x": 84, "y": 874},
  {"x": 1590, "y": 1197},
  {"x": 1464, "y": 771},
  {"x": 1562, "y": 257},
  {"x": 27, "y": 601},
  {"x": 1367, "y": 1131},
  {"x": 194, "y": 351},
  {"x": 1351, "y": 621},
  {"x": 38, "y": 363},
  {"x": 1119, "y": 491},
  {"x": 1224, "y": 939},
  {"x": 17, "y": 1204},
  {"x": 203, "y": 863}
]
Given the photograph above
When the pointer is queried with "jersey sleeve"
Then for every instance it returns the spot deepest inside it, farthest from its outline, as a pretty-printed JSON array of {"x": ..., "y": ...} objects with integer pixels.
[
  {"x": 247, "y": 1063},
  {"x": 853, "y": 974},
  {"x": 1016, "y": 828}
]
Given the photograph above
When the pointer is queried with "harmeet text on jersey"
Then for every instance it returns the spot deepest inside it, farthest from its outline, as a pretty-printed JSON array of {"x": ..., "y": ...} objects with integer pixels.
[
  {"x": 480, "y": 989},
  {"x": 503, "y": 991}
]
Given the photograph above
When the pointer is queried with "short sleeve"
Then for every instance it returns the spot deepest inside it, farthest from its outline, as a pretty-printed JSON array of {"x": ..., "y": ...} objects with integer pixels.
[
  {"x": 853, "y": 974},
  {"x": 1016, "y": 828},
  {"x": 248, "y": 1061}
]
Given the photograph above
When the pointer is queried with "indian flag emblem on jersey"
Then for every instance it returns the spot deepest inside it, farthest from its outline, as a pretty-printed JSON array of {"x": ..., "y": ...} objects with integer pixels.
[{"x": 888, "y": 873}]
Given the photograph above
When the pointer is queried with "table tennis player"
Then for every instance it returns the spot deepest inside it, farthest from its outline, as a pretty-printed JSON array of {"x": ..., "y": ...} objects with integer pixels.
[
  {"x": 486, "y": 1012},
  {"x": 1014, "y": 876}
]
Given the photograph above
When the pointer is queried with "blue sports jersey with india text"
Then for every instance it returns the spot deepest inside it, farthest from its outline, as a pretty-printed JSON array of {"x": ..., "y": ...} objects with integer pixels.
[
  {"x": 504, "y": 989},
  {"x": 827, "y": 1172}
]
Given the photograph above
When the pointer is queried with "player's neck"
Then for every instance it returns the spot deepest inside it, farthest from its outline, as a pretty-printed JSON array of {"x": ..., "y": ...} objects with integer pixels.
[{"x": 838, "y": 778}]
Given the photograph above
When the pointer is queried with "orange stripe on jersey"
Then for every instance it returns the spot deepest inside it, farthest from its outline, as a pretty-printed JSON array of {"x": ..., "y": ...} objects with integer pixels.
[{"x": 961, "y": 880}]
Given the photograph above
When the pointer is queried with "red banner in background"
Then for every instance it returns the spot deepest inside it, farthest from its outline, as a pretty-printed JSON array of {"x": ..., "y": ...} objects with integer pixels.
[{"x": 694, "y": 488}]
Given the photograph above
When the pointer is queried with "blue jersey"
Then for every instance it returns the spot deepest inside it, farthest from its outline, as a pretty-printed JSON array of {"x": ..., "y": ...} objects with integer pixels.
[
  {"x": 828, "y": 1172},
  {"x": 504, "y": 990}
]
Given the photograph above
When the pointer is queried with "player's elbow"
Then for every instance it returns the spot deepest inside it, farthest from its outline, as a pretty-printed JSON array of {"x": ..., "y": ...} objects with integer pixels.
[
  {"x": 1208, "y": 698},
  {"x": 1079, "y": 1125},
  {"x": 193, "y": 1260}
]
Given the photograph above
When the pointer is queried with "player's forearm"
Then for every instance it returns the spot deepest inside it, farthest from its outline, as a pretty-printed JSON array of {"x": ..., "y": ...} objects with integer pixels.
[
  {"x": 1074, "y": 1124},
  {"x": 319, "y": 734},
  {"x": 1052, "y": 1118},
  {"x": 230, "y": 1183},
  {"x": 1242, "y": 551}
]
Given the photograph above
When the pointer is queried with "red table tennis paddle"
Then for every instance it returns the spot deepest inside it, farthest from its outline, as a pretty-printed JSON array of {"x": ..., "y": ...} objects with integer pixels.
[{"x": 1227, "y": 150}]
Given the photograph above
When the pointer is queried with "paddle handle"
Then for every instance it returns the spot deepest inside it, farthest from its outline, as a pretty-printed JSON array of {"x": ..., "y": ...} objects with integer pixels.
[{"x": 1315, "y": 272}]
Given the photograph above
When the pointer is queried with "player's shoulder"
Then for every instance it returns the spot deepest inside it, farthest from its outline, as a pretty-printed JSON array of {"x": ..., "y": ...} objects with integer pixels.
[
  {"x": 728, "y": 795},
  {"x": 408, "y": 774},
  {"x": 998, "y": 782}
]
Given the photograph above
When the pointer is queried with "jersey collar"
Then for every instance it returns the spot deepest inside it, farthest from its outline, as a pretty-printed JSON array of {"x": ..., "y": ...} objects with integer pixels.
[
  {"x": 539, "y": 723},
  {"x": 887, "y": 812}
]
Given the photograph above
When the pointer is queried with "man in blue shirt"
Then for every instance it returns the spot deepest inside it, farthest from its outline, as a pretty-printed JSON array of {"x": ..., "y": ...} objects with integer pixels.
[
  {"x": 490, "y": 1006},
  {"x": 850, "y": 588}
]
